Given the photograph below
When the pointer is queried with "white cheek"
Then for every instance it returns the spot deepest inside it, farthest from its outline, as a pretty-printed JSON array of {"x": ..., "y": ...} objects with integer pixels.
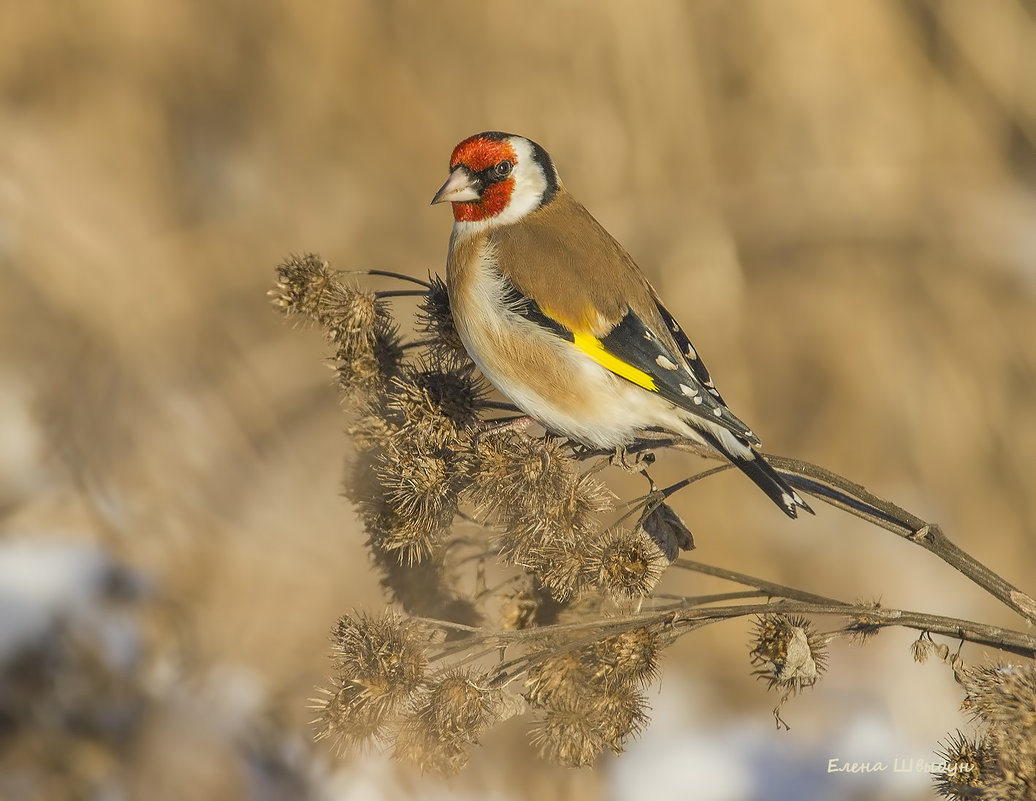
[{"x": 529, "y": 184}]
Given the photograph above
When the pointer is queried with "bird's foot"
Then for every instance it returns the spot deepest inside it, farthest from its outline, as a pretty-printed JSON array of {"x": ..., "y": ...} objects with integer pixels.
[
  {"x": 641, "y": 460},
  {"x": 513, "y": 424}
]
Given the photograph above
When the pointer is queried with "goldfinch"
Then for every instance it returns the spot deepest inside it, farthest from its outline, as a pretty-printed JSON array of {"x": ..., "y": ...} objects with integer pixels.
[{"x": 562, "y": 322}]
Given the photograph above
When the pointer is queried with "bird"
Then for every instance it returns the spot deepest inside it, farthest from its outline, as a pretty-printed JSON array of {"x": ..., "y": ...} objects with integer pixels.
[{"x": 559, "y": 318}]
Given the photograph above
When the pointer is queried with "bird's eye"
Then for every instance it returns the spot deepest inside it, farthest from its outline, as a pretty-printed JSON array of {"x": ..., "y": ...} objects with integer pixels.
[{"x": 503, "y": 169}]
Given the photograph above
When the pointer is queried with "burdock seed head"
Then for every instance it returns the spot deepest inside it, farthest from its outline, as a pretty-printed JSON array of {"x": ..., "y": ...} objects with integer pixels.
[
  {"x": 589, "y": 696},
  {"x": 451, "y": 713},
  {"x": 1004, "y": 698},
  {"x": 788, "y": 653},
  {"x": 559, "y": 680},
  {"x": 546, "y": 509},
  {"x": 417, "y": 485},
  {"x": 460, "y": 703},
  {"x": 968, "y": 768},
  {"x": 354, "y": 320},
  {"x": 435, "y": 407},
  {"x": 631, "y": 657},
  {"x": 350, "y": 715},
  {"x": 435, "y": 319},
  {"x": 511, "y": 474},
  {"x": 385, "y": 651},
  {"x": 418, "y": 743},
  {"x": 366, "y": 338},
  {"x": 619, "y": 713},
  {"x": 304, "y": 285},
  {"x": 549, "y": 552},
  {"x": 921, "y": 648},
  {"x": 567, "y": 736},
  {"x": 417, "y": 443},
  {"x": 379, "y": 665},
  {"x": 514, "y": 480},
  {"x": 626, "y": 563},
  {"x": 574, "y": 730},
  {"x": 407, "y": 539},
  {"x": 367, "y": 360}
]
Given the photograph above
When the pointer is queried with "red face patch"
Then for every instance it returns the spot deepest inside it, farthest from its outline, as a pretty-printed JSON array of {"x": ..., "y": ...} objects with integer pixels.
[
  {"x": 493, "y": 201},
  {"x": 479, "y": 153}
]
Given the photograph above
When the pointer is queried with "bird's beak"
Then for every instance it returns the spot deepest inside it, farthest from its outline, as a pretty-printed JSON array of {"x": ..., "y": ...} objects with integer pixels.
[{"x": 459, "y": 187}]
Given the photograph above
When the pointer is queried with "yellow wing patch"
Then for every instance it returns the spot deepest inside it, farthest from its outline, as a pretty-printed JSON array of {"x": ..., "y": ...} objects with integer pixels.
[
  {"x": 588, "y": 320},
  {"x": 592, "y": 347}
]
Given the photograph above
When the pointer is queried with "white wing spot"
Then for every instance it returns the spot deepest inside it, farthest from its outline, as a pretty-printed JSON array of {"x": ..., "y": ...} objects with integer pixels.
[
  {"x": 675, "y": 328},
  {"x": 689, "y": 392},
  {"x": 690, "y": 353},
  {"x": 787, "y": 500},
  {"x": 718, "y": 411},
  {"x": 665, "y": 363},
  {"x": 697, "y": 400}
]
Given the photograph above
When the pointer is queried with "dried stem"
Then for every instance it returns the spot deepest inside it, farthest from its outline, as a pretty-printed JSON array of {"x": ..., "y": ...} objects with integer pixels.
[
  {"x": 1014, "y": 642},
  {"x": 855, "y": 499},
  {"x": 390, "y": 274},
  {"x": 851, "y": 497},
  {"x": 980, "y": 633},
  {"x": 694, "y": 613},
  {"x": 771, "y": 588}
]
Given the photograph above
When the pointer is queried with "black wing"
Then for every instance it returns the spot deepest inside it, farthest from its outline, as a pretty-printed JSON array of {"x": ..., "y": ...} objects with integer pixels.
[
  {"x": 683, "y": 382},
  {"x": 697, "y": 366}
]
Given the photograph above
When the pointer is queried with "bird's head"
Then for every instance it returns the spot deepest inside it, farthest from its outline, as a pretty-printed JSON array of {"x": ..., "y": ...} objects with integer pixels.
[{"x": 497, "y": 178}]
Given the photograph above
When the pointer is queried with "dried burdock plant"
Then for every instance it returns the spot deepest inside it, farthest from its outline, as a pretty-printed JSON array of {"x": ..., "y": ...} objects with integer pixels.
[
  {"x": 584, "y": 704},
  {"x": 379, "y": 665},
  {"x": 524, "y": 585},
  {"x": 448, "y": 717},
  {"x": 357, "y": 322},
  {"x": 968, "y": 767},
  {"x": 788, "y": 654},
  {"x": 1000, "y": 761},
  {"x": 435, "y": 321},
  {"x": 632, "y": 657},
  {"x": 626, "y": 563}
]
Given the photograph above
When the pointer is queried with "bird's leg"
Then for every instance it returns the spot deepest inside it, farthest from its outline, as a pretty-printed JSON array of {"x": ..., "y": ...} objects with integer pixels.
[
  {"x": 515, "y": 424},
  {"x": 619, "y": 458},
  {"x": 641, "y": 460},
  {"x": 653, "y": 498}
]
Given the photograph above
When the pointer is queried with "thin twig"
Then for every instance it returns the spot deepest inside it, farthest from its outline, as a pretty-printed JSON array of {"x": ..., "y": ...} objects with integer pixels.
[
  {"x": 390, "y": 274},
  {"x": 1014, "y": 642},
  {"x": 679, "y": 601},
  {"x": 855, "y": 499},
  {"x": 771, "y": 588},
  {"x": 400, "y": 293}
]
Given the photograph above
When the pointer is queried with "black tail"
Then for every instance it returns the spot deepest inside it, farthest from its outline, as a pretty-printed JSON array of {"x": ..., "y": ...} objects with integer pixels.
[
  {"x": 770, "y": 482},
  {"x": 764, "y": 477}
]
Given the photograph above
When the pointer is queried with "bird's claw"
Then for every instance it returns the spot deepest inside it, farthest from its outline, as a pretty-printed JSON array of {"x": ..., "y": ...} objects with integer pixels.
[
  {"x": 641, "y": 460},
  {"x": 516, "y": 425}
]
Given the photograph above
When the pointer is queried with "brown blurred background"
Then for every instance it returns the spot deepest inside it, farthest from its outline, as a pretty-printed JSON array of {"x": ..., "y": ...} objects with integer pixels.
[{"x": 837, "y": 199}]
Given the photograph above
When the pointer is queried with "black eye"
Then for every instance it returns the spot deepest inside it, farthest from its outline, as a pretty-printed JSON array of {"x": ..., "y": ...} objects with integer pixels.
[{"x": 503, "y": 169}]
